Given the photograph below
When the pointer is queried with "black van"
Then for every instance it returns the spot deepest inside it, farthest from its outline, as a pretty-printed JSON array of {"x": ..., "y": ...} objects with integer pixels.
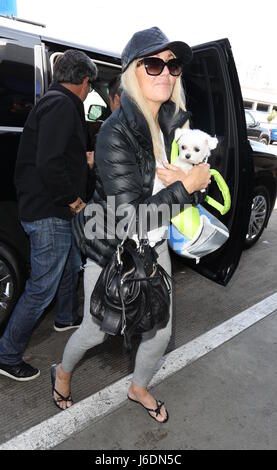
[{"x": 214, "y": 98}]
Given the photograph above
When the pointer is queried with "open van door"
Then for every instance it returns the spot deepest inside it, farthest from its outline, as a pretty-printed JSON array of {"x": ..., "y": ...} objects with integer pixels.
[{"x": 214, "y": 98}]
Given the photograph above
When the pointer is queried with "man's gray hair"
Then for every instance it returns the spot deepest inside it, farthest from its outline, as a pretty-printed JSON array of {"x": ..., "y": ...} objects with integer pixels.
[{"x": 72, "y": 67}]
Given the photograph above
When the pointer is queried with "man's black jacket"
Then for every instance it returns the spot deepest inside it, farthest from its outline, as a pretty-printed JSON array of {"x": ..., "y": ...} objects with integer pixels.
[
  {"x": 51, "y": 169},
  {"x": 125, "y": 168}
]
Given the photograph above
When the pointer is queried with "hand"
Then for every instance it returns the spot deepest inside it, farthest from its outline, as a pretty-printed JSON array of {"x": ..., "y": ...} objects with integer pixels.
[
  {"x": 197, "y": 179},
  {"x": 90, "y": 159},
  {"x": 77, "y": 206},
  {"x": 170, "y": 174}
]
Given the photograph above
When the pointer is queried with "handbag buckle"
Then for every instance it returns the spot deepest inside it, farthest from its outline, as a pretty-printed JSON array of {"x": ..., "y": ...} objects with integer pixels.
[{"x": 142, "y": 244}]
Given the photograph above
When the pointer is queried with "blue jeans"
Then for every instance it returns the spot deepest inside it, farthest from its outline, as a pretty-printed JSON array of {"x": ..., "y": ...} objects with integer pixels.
[
  {"x": 55, "y": 264},
  {"x": 67, "y": 295}
]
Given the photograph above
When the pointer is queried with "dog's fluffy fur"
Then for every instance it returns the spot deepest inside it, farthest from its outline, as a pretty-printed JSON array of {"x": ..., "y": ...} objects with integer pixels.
[{"x": 194, "y": 147}]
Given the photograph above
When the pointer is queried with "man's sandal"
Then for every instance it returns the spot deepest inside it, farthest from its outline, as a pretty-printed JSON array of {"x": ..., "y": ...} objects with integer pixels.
[
  {"x": 61, "y": 397},
  {"x": 157, "y": 410}
]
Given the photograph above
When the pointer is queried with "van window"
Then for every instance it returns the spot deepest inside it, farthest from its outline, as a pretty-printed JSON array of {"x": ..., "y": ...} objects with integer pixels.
[
  {"x": 207, "y": 96},
  {"x": 17, "y": 83},
  {"x": 205, "y": 90}
]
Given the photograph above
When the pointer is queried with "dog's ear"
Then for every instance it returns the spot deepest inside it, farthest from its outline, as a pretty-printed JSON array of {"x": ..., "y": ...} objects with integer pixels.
[
  {"x": 212, "y": 142},
  {"x": 178, "y": 134}
]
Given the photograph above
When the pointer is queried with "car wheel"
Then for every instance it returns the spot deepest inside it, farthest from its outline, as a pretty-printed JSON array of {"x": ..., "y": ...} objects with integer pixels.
[
  {"x": 264, "y": 141},
  {"x": 259, "y": 215},
  {"x": 11, "y": 283}
]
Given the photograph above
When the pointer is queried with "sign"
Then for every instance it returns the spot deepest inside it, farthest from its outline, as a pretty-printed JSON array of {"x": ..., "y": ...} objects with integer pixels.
[{"x": 8, "y": 7}]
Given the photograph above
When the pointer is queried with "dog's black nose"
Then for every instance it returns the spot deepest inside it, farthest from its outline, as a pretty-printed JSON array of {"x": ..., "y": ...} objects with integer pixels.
[{"x": 188, "y": 155}]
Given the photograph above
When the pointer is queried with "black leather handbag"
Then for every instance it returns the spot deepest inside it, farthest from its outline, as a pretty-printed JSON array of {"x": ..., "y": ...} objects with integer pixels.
[{"x": 132, "y": 293}]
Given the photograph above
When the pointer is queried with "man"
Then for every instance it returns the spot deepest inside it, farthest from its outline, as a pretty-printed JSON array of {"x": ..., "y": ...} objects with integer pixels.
[
  {"x": 114, "y": 93},
  {"x": 114, "y": 101},
  {"x": 51, "y": 181}
]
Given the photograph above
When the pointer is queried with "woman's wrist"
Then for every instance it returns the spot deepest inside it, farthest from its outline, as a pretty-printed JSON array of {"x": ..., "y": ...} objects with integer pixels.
[{"x": 188, "y": 185}]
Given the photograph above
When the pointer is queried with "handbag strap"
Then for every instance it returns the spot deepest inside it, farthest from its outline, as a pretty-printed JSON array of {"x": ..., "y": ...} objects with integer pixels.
[
  {"x": 140, "y": 278},
  {"x": 142, "y": 237}
]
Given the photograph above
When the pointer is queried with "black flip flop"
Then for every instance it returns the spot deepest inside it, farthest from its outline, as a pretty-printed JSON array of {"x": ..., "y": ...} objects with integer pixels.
[
  {"x": 157, "y": 410},
  {"x": 61, "y": 397}
]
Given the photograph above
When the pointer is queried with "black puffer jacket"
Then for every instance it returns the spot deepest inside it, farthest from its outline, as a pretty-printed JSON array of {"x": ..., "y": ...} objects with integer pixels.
[{"x": 125, "y": 168}]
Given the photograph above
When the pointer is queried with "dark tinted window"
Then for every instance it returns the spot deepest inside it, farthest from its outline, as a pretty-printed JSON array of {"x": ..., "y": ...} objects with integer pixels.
[
  {"x": 207, "y": 99},
  {"x": 16, "y": 83},
  {"x": 205, "y": 93}
]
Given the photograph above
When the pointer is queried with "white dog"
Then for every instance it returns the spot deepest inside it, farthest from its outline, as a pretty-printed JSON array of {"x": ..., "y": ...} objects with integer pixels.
[{"x": 194, "y": 147}]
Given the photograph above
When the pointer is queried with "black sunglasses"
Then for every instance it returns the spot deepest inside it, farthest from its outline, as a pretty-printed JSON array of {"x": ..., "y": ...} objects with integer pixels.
[{"x": 154, "y": 66}]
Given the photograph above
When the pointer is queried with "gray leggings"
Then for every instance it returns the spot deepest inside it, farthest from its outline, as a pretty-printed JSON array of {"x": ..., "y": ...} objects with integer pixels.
[{"x": 153, "y": 344}]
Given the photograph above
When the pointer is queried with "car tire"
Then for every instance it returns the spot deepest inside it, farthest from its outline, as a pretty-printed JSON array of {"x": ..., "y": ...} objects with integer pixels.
[
  {"x": 259, "y": 215},
  {"x": 12, "y": 280}
]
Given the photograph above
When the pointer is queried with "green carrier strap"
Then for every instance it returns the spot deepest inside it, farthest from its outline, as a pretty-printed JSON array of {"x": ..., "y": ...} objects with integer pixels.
[
  {"x": 221, "y": 183},
  {"x": 174, "y": 152}
]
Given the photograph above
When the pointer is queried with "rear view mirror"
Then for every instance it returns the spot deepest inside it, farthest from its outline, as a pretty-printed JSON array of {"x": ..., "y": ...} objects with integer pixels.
[{"x": 95, "y": 112}]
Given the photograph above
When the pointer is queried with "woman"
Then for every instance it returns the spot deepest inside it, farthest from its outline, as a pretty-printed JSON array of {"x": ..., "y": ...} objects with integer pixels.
[{"x": 131, "y": 162}]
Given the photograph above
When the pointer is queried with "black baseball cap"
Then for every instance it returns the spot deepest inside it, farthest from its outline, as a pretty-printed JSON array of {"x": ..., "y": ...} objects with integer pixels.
[{"x": 150, "y": 41}]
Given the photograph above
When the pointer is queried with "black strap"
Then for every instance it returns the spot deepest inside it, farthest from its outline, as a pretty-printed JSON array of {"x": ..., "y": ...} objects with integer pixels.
[{"x": 141, "y": 274}]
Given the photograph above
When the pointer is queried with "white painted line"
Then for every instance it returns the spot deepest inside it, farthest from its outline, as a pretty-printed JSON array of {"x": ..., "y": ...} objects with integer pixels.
[{"x": 57, "y": 429}]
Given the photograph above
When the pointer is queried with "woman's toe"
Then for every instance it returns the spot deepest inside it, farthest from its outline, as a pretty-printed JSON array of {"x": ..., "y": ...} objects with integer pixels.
[{"x": 161, "y": 416}]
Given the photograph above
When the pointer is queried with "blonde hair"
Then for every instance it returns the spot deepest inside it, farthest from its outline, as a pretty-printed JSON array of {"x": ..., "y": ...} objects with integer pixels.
[{"x": 131, "y": 86}]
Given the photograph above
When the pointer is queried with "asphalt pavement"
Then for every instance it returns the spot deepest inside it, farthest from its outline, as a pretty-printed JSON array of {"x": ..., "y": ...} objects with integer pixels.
[
  {"x": 223, "y": 401},
  {"x": 219, "y": 384}
]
